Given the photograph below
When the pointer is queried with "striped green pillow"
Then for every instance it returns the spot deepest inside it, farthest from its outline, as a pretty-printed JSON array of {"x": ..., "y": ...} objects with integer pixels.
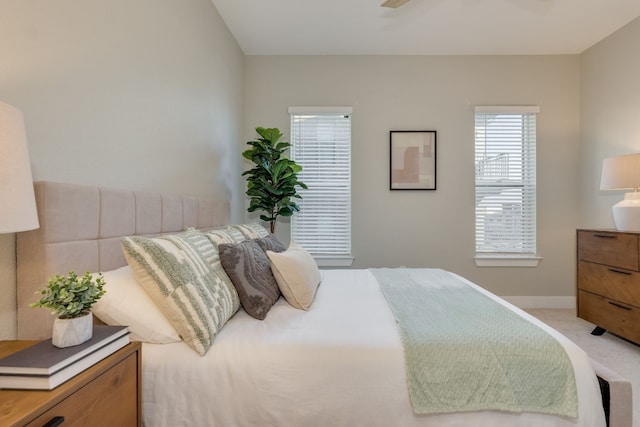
[
  {"x": 252, "y": 230},
  {"x": 224, "y": 235},
  {"x": 176, "y": 271}
]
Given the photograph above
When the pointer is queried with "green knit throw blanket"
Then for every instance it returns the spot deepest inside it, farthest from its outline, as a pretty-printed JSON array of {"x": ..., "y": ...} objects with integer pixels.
[{"x": 466, "y": 352}]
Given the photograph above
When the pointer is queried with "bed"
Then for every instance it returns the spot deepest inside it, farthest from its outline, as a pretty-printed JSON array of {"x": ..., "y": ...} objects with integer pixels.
[{"x": 340, "y": 362}]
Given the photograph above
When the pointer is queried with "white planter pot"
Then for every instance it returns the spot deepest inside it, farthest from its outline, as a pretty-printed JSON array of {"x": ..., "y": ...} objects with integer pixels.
[{"x": 70, "y": 332}]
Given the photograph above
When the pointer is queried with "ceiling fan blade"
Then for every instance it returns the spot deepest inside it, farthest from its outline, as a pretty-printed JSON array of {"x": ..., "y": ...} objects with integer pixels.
[{"x": 394, "y": 3}]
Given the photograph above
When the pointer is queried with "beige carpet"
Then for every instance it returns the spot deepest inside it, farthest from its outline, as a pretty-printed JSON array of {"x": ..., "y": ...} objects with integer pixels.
[{"x": 615, "y": 353}]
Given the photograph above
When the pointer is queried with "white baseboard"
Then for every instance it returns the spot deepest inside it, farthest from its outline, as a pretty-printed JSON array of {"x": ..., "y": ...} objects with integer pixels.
[{"x": 542, "y": 302}]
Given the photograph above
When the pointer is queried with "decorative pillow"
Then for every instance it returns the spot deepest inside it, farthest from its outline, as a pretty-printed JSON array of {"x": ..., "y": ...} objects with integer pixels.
[
  {"x": 177, "y": 272},
  {"x": 127, "y": 303},
  {"x": 271, "y": 243},
  {"x": 224, "y": 235},
  {"x": 252, "y": 230},
  {"x": 217, "y": 237},
  {"x": 297, "y": 275},
  {"x": 249, "y": 269}
]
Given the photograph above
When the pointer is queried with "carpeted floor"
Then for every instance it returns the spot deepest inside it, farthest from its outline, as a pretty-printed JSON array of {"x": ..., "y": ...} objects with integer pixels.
[{"x": 615, "y": 353}]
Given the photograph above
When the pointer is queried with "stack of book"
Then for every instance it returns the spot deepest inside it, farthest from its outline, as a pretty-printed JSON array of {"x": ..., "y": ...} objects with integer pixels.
[{"x": 44, "y": 366}]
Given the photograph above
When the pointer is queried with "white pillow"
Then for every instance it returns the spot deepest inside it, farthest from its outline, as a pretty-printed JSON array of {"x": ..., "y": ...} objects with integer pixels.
[
  {"x": 126, "y": 303},
  {"x": 297, "y": 275}
]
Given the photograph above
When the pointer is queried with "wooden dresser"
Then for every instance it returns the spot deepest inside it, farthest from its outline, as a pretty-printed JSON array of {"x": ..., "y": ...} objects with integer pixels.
[
  {"x": 609, "y": 281},
  {"x": 106, "y": 394}
]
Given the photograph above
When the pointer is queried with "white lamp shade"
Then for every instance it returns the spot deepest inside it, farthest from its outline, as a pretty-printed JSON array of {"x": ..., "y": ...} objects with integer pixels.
[
  {"x": 621, "y": 173},
  {"x": 17, "y": 200}
]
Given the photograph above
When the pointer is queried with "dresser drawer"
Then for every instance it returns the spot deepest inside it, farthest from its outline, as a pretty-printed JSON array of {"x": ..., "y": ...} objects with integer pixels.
[
  {"x": 612, "y": 282},
  {"x": 614, "y": 249},
  {"x": 619, "y": 319},
  {"x": 108, "y": 400}
]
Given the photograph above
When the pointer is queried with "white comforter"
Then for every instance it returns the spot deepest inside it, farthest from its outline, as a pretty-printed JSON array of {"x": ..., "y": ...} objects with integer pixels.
[{"x": 339, "y": 364}]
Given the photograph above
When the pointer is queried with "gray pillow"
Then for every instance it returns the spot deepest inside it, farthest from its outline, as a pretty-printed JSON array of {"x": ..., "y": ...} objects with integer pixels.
[
  {"x": 271, "y": 243},
  {"x": 249, "y": 269}
]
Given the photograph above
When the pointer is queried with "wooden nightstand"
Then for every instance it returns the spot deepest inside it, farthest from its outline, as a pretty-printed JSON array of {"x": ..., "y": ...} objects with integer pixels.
[{"x": 106, "y": 394}]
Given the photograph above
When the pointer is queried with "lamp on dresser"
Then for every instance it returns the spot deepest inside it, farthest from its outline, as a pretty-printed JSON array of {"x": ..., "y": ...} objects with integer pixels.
[
  {"x": 17, "y": 200},
  {"x": 623, "y": 173}
]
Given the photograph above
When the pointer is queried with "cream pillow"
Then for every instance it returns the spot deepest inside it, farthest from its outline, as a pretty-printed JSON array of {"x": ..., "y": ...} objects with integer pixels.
[
  {"x": 127, "y": 303},
  {"x": 177, "y": 271},
  {"x": 297, "y": 275}
]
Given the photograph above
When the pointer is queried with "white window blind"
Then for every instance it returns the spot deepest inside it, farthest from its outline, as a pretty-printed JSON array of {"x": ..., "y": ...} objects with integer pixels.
[
  {"x": 505, "y": 160},
  {"x": 321, "y": 144}
]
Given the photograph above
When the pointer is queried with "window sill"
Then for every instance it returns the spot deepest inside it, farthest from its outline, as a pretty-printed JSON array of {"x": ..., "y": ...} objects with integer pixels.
[
  {"x": 334, "y": 261},
  {"x": 507, "y": 260}
]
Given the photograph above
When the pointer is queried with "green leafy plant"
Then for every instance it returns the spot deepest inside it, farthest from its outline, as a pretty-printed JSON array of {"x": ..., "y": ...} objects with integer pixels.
[
  {"x": 271, "y": 184},
  {"x": 71, "y": 296}
]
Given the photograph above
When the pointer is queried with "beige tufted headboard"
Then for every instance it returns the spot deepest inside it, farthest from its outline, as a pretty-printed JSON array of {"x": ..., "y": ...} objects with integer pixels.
[{"x": 80, "y": 230}]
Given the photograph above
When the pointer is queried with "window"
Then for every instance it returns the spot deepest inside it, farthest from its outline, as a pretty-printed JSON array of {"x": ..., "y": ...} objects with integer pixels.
[
  {"x": 321, "y": 144},
  {"x": 505, "y": 160}
]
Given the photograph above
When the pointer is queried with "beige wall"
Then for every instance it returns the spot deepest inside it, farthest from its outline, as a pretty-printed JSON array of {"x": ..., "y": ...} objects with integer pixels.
[
  {"x": 436, "y": 229},
  {"x": 144, "y": 95},
  {"x": 609, "y": 117}
]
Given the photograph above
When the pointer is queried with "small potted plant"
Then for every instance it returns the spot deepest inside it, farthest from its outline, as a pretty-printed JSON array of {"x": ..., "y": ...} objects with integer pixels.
[{"x": 70, "y": 297}]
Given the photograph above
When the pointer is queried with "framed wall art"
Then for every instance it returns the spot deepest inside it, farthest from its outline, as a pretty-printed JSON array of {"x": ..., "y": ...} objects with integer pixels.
[{"x": 412, "y": 160}]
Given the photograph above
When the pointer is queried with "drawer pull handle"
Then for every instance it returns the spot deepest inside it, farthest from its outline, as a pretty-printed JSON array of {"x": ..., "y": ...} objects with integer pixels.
[
  {"x": 605, "y": 236},
  {"x": 613, "y": 270},
  {"x": 619, "y": 305},
  {"x": 55, "y": 421}
]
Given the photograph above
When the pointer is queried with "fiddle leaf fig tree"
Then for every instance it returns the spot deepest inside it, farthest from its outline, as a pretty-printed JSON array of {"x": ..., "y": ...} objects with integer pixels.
[{"x": 271, "y": 184}]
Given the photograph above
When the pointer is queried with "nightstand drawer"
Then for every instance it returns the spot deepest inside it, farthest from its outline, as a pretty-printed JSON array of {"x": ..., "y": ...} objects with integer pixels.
[
  {"x": 617, "y": 318},
  {"x": 108, "y": 400},
  {"x": 615, "y": 283},
  {"x": 614, "y": 249}
]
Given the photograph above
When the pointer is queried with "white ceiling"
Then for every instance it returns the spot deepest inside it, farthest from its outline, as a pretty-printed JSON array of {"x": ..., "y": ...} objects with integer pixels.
[{"x": 423, "y": 27}]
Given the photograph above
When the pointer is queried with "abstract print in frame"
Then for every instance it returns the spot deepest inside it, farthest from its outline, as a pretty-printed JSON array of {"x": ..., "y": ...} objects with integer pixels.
[{"x": 412, "y": 160}]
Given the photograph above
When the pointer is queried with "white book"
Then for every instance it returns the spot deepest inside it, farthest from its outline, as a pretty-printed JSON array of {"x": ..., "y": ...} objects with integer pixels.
[{"x": 49, "y": 382}]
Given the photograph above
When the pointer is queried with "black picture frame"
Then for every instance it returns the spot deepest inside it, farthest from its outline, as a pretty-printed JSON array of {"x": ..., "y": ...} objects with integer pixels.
[{"x": 412, "y": 159}]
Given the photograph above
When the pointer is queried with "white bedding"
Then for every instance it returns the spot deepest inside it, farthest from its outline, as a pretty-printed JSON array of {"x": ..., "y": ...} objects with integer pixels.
[{"x": 339, "y": 364}]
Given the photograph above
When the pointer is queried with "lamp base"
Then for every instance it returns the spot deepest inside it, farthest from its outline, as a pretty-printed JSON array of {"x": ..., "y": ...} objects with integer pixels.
[{"x": 626, "y": 213}]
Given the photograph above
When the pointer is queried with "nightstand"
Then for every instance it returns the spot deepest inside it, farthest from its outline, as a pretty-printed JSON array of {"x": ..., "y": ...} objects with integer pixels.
[{"x": 106, "y": 394}]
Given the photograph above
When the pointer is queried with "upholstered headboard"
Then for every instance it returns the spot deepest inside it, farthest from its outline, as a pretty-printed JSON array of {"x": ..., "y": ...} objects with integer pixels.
[{"x": 80, "y": 230}]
